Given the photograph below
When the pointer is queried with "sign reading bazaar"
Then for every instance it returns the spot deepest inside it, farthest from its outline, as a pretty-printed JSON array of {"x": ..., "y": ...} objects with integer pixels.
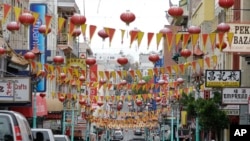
[
  {"x": 241, "y": 38},
  {"x": 223, "y": 78}
]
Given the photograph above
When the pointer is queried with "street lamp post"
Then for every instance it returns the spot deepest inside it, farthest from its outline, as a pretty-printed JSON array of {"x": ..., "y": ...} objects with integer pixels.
[
  {"x": 198, "y": 81},
  {"x": 30, "y": 56}
]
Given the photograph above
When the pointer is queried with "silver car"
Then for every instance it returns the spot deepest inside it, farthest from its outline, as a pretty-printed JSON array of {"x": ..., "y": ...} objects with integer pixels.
[
  {"x": 14, "y": 127},
  {"x": 61, "y": 138}
]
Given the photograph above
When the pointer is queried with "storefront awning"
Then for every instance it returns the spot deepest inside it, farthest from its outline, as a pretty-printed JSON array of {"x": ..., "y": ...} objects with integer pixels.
[
  {"x": 41, "y": 108},
  {"x": 17, "y": 60}
]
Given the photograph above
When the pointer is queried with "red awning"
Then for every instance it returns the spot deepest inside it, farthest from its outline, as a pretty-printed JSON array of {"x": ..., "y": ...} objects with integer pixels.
[{"x": 28, "y": 111}]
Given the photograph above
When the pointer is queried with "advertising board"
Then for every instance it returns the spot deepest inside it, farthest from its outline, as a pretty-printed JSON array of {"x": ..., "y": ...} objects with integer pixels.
[
  {"x": 223, "y": 78},
  {"x": 38, "y": 39},
  {"x": 15, "y": 90},
  {"x": 235, "y": 95}
]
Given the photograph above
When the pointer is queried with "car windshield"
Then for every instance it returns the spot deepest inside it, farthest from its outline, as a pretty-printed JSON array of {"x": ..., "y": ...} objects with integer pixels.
[
  {"x": 118, "y": 133},
  {"x": 5, "y": 128},
  {"x": 60, "y": 139}
]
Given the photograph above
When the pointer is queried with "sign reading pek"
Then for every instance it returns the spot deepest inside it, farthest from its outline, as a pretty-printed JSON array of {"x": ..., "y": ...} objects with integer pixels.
[
  {"x": 240, "y": 38},
  {"x": 235, "y": 95},
  {"x": 15, "y": 90},
  {"x": 223, "y": 78}
]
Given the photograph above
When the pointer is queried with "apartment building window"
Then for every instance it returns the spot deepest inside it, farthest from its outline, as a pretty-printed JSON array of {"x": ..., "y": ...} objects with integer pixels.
[{"x": 236, "y": 15}]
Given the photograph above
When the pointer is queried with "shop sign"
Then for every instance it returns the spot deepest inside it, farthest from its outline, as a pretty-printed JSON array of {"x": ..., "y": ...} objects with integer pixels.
[
  {"x": 223, "y": 78},
  {"x": 240, "y": 38},
  {"x": 231, "y": 107},
  {"x": 235, "y": 95},
  {"x": 232, "y": 112},
  {"x": 15, "y": 90}
]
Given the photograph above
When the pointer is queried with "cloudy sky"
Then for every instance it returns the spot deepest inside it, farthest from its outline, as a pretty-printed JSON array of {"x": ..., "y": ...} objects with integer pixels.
[{"x": 150, "y": 17}]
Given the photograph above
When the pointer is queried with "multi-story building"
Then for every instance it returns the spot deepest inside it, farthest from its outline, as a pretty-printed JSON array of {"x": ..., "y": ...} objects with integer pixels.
[{"x": 208, "y": 15}]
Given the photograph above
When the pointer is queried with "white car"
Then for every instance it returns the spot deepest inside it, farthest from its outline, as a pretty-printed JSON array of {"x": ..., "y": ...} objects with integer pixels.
[
  {"x": 14, "y": 127},
  {"x": 45, "y": 134},
  {"x": 61, "y": 138}
]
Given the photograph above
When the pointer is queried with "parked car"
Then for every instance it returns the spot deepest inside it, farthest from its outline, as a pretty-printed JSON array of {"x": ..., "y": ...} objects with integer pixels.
[
  {"x": 117, "y": 136},
  {"x": 61, "y": 138},
  {"x": 138, "y": 132},
  {"x": 14, "y": 127},
  {"x": 137, "y": 139},
  {"x": 44, "y": 134}
]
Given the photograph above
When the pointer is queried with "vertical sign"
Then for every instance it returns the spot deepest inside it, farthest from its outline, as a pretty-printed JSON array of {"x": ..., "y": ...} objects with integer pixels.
[
  {"x": 93, "y": 78},
  {"x": 37, "y": 39}
]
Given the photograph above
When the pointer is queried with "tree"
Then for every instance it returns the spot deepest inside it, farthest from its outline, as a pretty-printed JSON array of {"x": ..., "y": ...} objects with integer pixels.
[{"x": 211, "y": 118}]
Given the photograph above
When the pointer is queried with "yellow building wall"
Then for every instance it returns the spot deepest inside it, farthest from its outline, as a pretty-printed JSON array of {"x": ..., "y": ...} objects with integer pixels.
[{"x": 203, "y": 12}]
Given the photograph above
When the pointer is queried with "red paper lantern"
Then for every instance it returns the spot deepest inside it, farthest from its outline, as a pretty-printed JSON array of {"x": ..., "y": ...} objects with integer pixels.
[
  {"x": 30, "y": 56},
  {"x": 194, "y": 30},
  {"x": 110, "y": 104},
  {"x": 123, "y": 82},
  {"x": 13, "y": 26},
  {"x": 78, "y": 19},
  {"x": 138, "y": 102},
  {"x": 129, "y": 104},
  {"x": 99, "y": 103},
  {"x": 153, "y": 57},
  {"x": 61, "y": 98},
  {"x": 2, "y": 51},
  {"x": 42, "y": 29},
  {"x": 185, "y": 53},
  {"x": 42, "y": 95},
  {"x": 122, "y": 60},
  {"x": 127, "y": 17},
  {"x": 135, "y": 30},
  {"x": 175, "y": 11},
  {"x": 102, "y": 33},
  {"x": 119, "y": 106},
  {"x": 180, "y": 80},
  {"x": 26, "y": 18},
  {"x": 76, "y": 32},
  {"x": 142, "y": 82},
  {"x": 223, "y": 27},
  {"x": 161, "y": 82},
  {"x": 82, "y": 78},
  {"x": 226, "y": 3},
  {"x": 165, "y": 31},
  {"x": 102, "y": 81},
  {"x": 158, "y": 99},
  {"x": 82, "y": 102},
  {"x": 58, "y": 60},
  {"x": 222, "y": 45},
  {"x": 41, "y": 73},
  {"x": 90, "y": 61},
  {"x": 62, "y": 75}
]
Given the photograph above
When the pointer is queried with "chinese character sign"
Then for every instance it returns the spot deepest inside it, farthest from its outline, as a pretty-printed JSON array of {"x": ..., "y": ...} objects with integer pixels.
[
  {"x": 223, "y": 78},
  {"x": 15, "y": 90},
  {"x": 235, "y": 95}
]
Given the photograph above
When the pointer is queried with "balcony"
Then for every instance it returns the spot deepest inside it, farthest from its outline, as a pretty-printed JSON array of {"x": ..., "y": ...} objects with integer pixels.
[
  {"x": 67, "y": 45},
  {"x": 66, "y": 8}
]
